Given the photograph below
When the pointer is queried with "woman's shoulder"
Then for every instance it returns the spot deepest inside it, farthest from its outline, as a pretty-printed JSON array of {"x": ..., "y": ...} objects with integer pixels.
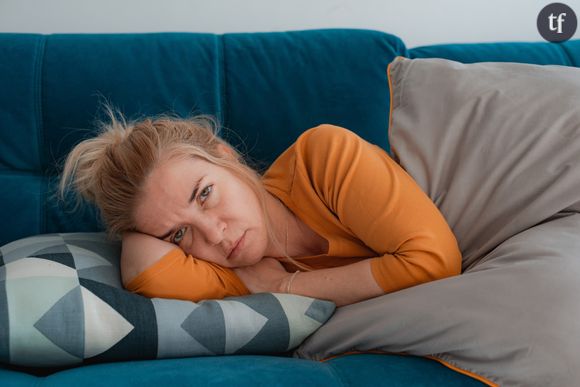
[
  {"x": 326, "y": 132},
  {"x": 326, "y": 142},
  {"x": 317, "y": 152}
]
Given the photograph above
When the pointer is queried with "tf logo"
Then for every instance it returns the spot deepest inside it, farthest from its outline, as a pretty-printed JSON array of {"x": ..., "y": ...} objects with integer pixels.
[{"x": 557, "y": 22}]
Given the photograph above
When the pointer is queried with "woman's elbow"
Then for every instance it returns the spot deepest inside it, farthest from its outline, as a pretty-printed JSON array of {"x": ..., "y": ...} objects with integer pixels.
[
  {"x": 139, "y": 252},
  {"x": 448, "y": 263}
]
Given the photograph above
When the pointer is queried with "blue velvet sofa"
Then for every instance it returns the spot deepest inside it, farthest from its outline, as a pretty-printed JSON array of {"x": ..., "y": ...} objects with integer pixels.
[{"x": 265, "y": 88}]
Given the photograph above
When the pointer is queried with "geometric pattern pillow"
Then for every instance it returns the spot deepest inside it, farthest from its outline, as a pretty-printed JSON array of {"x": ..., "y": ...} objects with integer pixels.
[{"x": 62, "y": 303}]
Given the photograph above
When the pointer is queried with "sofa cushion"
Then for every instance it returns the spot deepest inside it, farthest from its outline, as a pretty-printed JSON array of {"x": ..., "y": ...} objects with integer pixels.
[
  {"x": 264, "y": 88},
  {"x": 250, "y": 371},
  {"x": 62, "y": 303},
  {"x": 494, "y": 145}
]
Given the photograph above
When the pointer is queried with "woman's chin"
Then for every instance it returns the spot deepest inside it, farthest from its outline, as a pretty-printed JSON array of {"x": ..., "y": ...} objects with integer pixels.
[{"x": 246, "y": 261}]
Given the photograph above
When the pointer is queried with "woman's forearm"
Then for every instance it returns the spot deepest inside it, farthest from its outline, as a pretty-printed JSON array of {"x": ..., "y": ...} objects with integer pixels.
[{"x": 343, "y": 285}]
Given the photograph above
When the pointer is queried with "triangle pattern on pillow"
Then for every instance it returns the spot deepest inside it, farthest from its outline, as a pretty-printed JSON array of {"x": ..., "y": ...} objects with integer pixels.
[
  {"x": 209, "y": 317},
  {"x": 85, "y": 259},
  {"x": 70, "y": 336},
  {"x": 104, "y": 326},
  {"x": 174, "y": 340},
  {"x": 242, "y": 324}
]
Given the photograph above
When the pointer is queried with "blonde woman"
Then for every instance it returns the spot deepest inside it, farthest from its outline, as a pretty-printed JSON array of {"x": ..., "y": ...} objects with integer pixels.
[{"x": 334, "y": 217}]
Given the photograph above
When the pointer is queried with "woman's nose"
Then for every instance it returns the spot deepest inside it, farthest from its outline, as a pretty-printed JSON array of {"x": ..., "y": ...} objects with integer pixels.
[{"x": 212, "y": 229}]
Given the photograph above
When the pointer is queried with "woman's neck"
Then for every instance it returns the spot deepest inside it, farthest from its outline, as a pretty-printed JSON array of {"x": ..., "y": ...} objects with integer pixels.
[{"x": 299, "y": 239}]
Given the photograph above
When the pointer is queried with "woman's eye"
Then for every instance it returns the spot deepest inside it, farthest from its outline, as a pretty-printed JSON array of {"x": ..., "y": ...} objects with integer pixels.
[
  {"x": 178, "y": 236},
  {"x": 205, "y": 192}
]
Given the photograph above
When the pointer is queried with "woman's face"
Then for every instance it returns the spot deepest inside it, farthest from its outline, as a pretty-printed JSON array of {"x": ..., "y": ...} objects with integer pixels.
[{"x": 204, "y": 209}]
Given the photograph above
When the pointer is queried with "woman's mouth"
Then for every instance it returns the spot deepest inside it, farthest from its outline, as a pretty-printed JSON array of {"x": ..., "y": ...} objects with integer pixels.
[{"x": 237, "y": 247}]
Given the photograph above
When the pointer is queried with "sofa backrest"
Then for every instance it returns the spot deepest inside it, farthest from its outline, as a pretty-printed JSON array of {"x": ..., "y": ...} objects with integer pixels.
[
  {"x": 264, "y": 88},
  {"x": 541, "y": 53}
]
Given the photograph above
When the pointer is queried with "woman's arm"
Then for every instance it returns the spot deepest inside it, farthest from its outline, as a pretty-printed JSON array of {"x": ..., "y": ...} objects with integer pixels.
[
  {"x": 379, "y": 204},
  {"x": 139, "y": 252},
  {"x": 342, "y": 285},
  {"x": 158, "y": 269}
]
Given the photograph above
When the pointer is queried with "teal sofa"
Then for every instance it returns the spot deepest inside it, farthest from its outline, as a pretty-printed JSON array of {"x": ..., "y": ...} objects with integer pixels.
[{"x": 265, "y": 89}]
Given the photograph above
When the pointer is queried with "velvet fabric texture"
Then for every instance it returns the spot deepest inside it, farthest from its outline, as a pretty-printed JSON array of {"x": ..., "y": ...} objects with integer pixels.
[{"x": 266, "y": 88}]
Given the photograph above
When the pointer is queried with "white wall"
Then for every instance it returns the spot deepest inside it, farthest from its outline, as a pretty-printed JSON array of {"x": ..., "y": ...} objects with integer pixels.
[{"x": 418, "y": 22}]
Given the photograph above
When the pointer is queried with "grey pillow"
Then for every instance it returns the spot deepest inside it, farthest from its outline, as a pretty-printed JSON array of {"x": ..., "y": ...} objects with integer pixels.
[
  {"x": 496, "y": 146},
  {"x": 62, "y": 303},
  {"x": 512, "y": 320}
]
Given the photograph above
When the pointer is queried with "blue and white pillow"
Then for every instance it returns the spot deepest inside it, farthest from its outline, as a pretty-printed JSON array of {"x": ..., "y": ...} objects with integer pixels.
[{"x": 62, "y": 303}]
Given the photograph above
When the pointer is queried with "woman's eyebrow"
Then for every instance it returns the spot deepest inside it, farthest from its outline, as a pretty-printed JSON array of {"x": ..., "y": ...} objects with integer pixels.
[
  {"x": 191, "y": 198},
  {"x": 164, "y": 236},
  {"x": 195, "y": 189}
]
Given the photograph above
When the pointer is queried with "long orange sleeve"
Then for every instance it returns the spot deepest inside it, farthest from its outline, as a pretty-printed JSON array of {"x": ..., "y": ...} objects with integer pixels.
[
  {"x": 356, "y": 196},
  {"x": 180, "y": 276},
  {"x": 352, "y": 194}
]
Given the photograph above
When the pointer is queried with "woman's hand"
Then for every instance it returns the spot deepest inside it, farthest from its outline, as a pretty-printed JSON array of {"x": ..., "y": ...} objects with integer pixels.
[{"x": 268, "y": 275}]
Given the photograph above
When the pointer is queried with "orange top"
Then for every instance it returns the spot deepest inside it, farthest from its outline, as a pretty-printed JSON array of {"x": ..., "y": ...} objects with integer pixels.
[
  {"x": 178, "y": 276},
  {"x": 352, "y": 194}
]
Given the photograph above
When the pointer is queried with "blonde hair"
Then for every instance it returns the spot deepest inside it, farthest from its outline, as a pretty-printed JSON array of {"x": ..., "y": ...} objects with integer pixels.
[{"x": 110, "y": 169}]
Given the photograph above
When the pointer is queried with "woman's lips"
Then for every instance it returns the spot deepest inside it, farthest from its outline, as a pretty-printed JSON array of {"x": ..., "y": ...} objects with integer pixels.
[{"x": 237, "y": 247}]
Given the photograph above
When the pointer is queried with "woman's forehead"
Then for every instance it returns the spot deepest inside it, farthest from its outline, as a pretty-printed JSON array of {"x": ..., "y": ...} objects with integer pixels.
[
  {"x": 172, "y": 176},
  {"x": 166, "y": 193}
]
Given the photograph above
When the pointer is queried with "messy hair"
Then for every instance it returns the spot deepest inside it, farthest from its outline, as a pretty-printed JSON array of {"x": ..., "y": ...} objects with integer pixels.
[{"x": 110, "y": 169}]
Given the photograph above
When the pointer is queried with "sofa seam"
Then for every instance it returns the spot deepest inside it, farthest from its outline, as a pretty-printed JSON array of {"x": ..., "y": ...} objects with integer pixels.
[
  {"x": 38, "y": 106},
  {"x": 224, "y": 105},
  {"x": 564, "y": 49}
]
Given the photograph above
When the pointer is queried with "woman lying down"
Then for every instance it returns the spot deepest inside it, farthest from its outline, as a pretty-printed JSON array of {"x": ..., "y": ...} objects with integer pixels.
[{"x": 334, "y": 217}]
